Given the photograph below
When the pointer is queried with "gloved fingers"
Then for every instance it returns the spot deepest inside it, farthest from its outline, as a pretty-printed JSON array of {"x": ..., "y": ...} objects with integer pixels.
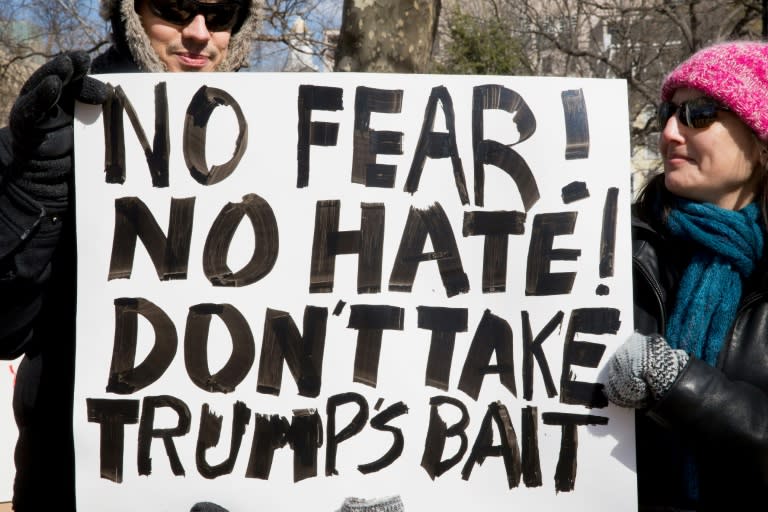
[
  {"x": 80, "y": 86},
  {"x": 636, "y": 343},
  {"x": 81, "y": 62},
  {"x": 626, "y": 392},
  {"x": 625, "y": 386},
  {"x": 31, "y": 108},
  {"x": 92, "y": 91},
  {"x": 58, "y": 82},
  {"x": 635, "y": 350},
  {"x": 60, "y": 67},
  {"x": 68, "y": 67}
]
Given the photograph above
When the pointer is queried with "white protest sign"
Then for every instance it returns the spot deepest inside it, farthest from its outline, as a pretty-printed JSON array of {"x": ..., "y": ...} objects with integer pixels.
[
  {"x": 8, "y": 430},
  {"x": 306, "y": 287}
]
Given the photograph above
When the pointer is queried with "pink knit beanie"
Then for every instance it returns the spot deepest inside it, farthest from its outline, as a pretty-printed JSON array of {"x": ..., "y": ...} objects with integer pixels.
[{"x": 734, "y": 74}]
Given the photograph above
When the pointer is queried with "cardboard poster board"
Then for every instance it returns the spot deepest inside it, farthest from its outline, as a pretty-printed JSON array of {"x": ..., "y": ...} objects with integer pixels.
[{"x": 297, "y": 288}]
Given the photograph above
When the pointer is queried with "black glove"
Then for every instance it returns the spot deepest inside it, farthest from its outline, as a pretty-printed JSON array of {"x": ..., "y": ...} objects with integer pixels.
[
  {"x": 36, "y": 162},
  {"x": 41, "y": 127}
]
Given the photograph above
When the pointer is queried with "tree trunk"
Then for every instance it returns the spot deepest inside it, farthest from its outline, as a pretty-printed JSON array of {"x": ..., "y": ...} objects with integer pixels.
[{"x": 387, "y": 35}]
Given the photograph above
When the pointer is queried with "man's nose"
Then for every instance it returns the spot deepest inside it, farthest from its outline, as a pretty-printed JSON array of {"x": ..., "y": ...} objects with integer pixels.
[{"x": 197, "y": 29}]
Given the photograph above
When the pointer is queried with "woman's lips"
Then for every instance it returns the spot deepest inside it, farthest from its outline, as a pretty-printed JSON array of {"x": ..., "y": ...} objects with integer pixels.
[{"x": 678, "y": 159}]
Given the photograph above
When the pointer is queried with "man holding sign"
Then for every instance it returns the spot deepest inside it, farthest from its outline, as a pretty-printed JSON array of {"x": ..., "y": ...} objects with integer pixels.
[{"x": 37, "y": 235}]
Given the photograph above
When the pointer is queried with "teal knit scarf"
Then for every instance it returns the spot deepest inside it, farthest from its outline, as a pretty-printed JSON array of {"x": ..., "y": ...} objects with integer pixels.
[{"x": 729, "y": 244}]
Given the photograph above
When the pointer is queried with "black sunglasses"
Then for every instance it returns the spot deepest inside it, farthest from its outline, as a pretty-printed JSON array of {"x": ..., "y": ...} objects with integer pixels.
[
  {"x": 220, "y": 16},
  {"x": 696, "y": 113}
]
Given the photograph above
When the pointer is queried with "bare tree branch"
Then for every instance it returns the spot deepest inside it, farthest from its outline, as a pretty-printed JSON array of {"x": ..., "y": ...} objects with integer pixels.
[{"x": 639, "y": 41}]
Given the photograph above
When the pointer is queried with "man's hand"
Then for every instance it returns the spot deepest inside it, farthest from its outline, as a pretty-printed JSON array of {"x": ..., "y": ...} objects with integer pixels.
[
  {"x": 41, "y": 118},
  {"x": 40, "y": 124},
  {"x": 644, "y": 367}
]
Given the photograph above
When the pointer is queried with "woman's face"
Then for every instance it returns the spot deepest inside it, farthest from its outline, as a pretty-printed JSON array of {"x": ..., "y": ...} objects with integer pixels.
[{"x": 716, "y": 164}]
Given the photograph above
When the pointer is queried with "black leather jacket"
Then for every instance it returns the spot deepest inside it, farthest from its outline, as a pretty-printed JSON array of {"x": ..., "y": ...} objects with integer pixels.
[{"x": 717, "y": 415}]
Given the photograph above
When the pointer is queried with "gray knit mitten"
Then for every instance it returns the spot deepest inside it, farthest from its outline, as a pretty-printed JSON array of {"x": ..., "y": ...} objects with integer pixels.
[
  {"x": 388, "y": 504},
  {"x": 643, "y": 367}
]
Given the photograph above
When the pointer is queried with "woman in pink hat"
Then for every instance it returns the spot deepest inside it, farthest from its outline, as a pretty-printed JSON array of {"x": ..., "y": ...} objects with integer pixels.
[{"x": 696, "y": 369}]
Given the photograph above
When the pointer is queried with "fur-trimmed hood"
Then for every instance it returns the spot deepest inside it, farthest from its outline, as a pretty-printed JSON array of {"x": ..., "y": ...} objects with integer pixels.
[{"x": 129, "y": 36}]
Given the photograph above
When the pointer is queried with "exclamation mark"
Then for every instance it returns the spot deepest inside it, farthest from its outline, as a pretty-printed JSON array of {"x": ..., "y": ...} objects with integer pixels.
[
  {"x": 576, "y": 124},
  {"x": 608, "y": 238}
]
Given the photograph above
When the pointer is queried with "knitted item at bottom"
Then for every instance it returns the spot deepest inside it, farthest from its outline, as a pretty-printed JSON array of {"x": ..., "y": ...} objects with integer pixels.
[
  {"x": 388, "y": 504},
  {"x": 206, "y": 506}
]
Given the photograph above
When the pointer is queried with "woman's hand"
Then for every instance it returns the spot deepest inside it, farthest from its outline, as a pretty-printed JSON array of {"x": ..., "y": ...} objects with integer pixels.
[{"x": 643, "y": 368}]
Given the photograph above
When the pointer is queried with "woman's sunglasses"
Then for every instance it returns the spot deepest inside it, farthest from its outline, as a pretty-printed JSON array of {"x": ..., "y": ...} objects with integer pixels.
[
  {"x": 696, "y": 113},
  {"x": 219, "y": 16}
]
